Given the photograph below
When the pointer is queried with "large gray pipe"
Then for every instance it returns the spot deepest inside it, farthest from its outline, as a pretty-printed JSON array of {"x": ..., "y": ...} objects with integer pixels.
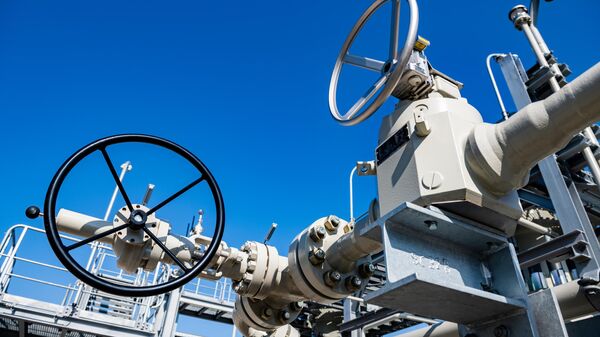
[{"x": 501, "y": 155}]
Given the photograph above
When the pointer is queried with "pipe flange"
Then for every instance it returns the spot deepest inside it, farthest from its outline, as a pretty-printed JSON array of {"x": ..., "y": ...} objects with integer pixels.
[
  {"x": 320, "y": 280},
  {"x": 263, "y": 315},
  {"x": 262, "y": 272}
]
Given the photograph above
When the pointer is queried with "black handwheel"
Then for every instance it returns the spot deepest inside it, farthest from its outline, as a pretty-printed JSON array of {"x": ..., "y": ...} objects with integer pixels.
[{"x": 137, "y": 218}]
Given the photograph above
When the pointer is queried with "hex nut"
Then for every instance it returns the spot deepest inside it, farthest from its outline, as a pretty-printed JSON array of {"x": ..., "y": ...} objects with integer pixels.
[
  {"x": 267, "y": 313},
  {"x": 316, "y": 256},
  {"x": 318, "y": 233},
  {"x": 296, "y": 306},
  {"x": 353, "y": 283},
  {"x": 366, "y": 270},
  {"x": 284, "y": 316},
  {"x": 332, "y": 223},
  {"x": 332, "y": 278},
  {"x": 501, "y": 331}
]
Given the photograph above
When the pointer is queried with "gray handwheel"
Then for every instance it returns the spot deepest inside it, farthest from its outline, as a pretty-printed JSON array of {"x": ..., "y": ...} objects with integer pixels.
[{"x": 390, "y": 70}]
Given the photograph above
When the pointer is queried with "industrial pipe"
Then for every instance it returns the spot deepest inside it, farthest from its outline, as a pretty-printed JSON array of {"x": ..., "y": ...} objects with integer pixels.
[
  {"x": 501, "y": 155},
  {"x": 83, "y": 225}
]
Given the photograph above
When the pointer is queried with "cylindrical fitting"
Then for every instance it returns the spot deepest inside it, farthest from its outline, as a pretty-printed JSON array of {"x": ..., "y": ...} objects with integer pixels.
[
  {"x": 83, "y": 225},
  {"x": 519, "y": 16}
]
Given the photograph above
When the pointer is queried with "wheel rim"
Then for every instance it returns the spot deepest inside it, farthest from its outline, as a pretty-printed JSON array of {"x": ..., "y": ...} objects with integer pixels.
[
  {"x": 62, "y": 251},
  {"x": 380, "y": 91}
]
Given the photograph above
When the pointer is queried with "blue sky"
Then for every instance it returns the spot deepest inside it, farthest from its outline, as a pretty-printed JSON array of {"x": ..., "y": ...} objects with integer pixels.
[{"x": 243, "y": 85}]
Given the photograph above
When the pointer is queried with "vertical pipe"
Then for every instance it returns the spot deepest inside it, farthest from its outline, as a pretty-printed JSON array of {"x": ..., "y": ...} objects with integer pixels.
[
  {"x": 351, "y": 195},
  {"x": 493, "y": 79}
]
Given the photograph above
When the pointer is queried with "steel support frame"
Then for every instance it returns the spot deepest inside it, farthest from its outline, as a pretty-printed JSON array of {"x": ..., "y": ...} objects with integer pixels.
[
  {"x": 452, "y": 285},
  {"x": 565, "y": 198}
]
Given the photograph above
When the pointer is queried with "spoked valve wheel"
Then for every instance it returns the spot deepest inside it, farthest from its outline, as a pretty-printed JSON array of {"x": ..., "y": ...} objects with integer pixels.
[
  {"x": 390, "y": 70},
  {"x": 138, "y": 219}
]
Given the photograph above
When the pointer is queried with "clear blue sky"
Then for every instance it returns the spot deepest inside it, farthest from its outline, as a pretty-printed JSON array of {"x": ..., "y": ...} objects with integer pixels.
[{"x": 242, "y": 84}]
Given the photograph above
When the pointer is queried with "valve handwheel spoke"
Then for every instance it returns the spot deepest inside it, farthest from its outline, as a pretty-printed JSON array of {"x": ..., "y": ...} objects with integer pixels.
[
  {"x": 390, "y": 70},
  {"x": 136, "y": 220},
  {"x": 366, "y": 97},
  {"x": 364, "y": 62},
  {"x": 115, "y": 176},
  {"x": 97, "y": 237},
  {"x": 177, "y": 194}
]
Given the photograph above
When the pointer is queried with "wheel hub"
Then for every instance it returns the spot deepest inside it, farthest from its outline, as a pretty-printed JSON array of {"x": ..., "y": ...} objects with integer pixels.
[{"x": 137, "y": 219}]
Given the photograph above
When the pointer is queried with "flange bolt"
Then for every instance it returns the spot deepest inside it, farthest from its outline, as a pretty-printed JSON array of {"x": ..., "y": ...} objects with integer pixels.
[
  {"x": 284, "y": 316},
  {"x": 353, "y": 283},
  {"x": 318, "y": 233},
  {"x": 296, "y": 306},
  {"x": 501, "y": 331},
  {"x": 332, "y": 223},
  {"x": 316, "y": 256},
  {"x": 366, "y": 270},
  {"x": 267, "y": 313},
  {"x": 332, "y": 278}
]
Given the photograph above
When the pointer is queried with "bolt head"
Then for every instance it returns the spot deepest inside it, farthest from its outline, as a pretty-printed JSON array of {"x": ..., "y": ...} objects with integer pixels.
[
  {"x": 284, "y": 315},
  {"x": 318, "y": 233},
  {"x": 332, "y": 277},
  {"x": 267, "y": 312},
  {"x": 366, "y": 270},
  {"x": 501, "y": 331},
  {"x": 431, "y": 224},
  {"x": 332, "y": 223},
  {"x": 316, "y": 256},
  {"x": 353, "y": 283},
  {"x": 297, "y": 305}
]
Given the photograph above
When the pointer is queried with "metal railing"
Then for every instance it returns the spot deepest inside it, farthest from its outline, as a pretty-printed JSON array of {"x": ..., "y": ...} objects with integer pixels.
[
  {"x": 28, "y": 270},
  {"x": 76, "y": 294},
  {"x": 217, "y": 289}
]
